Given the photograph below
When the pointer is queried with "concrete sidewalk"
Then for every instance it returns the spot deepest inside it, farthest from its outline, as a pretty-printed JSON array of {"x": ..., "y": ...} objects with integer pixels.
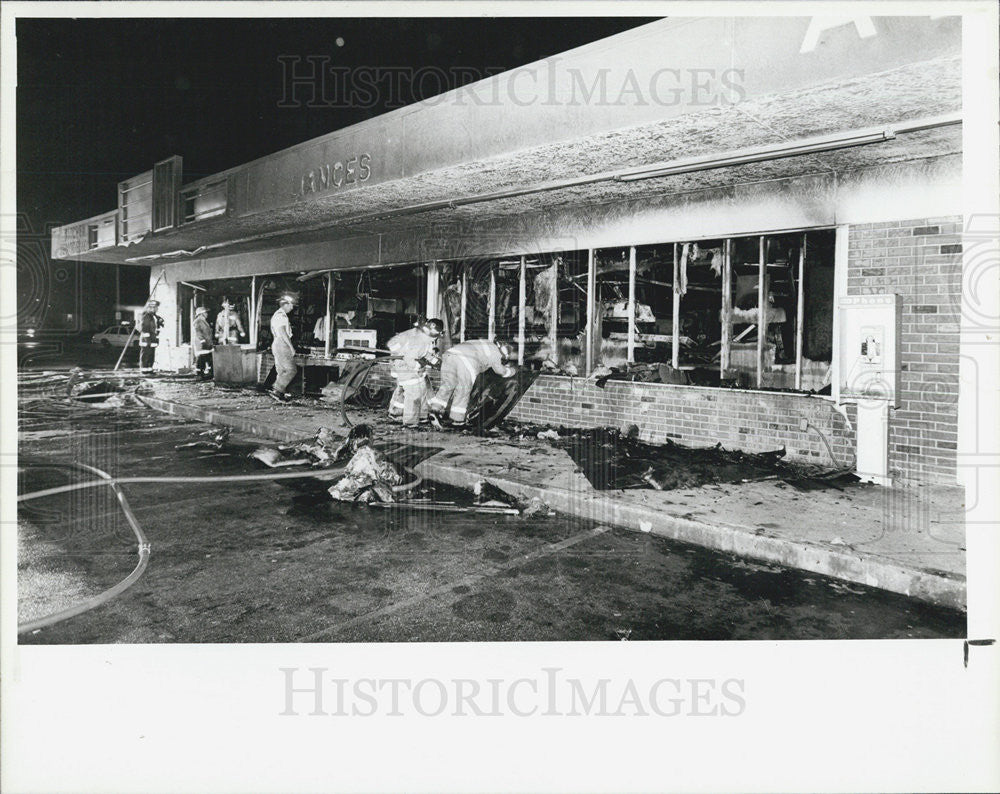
[{"x": 908, "y": 541}]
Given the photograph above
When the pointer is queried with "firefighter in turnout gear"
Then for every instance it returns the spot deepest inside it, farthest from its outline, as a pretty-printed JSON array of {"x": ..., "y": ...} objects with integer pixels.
[
  {"x": 460, "y": 366},
  {"x": 228, "y": 328},
  {"x": 202, "y": 344},
  {"x": 413, "y": 352},
  {"x": 149, "y": 336}
]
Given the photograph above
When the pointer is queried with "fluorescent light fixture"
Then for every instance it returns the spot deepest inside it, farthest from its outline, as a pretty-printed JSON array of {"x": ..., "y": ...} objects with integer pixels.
[{"x": 757, "y": 155}]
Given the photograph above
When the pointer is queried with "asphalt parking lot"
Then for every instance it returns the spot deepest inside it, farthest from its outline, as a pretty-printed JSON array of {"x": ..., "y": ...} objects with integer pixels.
[{"x": 279, "y": 562}]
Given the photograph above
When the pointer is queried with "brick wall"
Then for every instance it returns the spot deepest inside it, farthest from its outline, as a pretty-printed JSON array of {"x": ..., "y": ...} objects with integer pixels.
[
  {"x": 920, "y": 260},
  {"x": 748, "y": 420}
]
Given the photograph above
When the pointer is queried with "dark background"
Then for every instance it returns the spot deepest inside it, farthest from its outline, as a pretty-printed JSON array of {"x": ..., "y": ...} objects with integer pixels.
[{"x": 99, "y": 101}]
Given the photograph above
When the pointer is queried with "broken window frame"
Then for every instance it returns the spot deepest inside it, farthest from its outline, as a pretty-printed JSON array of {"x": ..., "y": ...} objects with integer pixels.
[
  {"x": 517, "y": 330},
  {"x": 591, "y": 333},
  {"x": 727, "y": 307}
]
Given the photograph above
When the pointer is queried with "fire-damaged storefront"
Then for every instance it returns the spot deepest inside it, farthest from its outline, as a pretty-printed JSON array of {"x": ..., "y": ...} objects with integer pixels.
[{"x": 722, "y": 230}]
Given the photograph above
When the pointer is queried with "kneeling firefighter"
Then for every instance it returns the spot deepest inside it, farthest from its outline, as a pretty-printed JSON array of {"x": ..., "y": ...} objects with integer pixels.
[
  {"x": 413, "y": 352},
  {"x": 460, "y": 366}
]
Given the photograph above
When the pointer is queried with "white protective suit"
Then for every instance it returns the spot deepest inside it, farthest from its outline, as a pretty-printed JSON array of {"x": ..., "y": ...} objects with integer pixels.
[
  {"x": 460, "y": 366},
  {"x": 414, "y": 349}
]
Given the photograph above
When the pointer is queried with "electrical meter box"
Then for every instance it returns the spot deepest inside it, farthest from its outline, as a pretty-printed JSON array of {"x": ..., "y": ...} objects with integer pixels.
[{"x": 869, "y": 347}]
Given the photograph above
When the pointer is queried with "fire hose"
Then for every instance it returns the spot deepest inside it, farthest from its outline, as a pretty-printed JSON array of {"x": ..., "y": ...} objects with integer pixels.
[
  {"x": 124, "y": 584},
  {"x": 143, "y": 542}
]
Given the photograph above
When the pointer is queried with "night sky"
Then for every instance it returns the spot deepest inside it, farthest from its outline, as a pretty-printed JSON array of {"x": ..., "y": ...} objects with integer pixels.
[{"x": 99, "y": 101}]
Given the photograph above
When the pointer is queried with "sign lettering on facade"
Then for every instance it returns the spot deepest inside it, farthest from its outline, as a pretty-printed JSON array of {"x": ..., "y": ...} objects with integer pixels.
[{"x": 333, "y": 176}]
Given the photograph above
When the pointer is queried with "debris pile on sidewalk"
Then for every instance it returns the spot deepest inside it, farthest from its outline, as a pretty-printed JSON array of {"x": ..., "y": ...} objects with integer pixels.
[
  {"x": 324, "y": 451},
  {"x": 103, "y": 392},
  {"x": 613, "y": 460},
  {"x": 213, "y": 438}
]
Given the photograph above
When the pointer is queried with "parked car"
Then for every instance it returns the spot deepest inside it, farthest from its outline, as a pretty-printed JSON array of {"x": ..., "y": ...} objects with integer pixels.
[{"x": 115, "y": 336}]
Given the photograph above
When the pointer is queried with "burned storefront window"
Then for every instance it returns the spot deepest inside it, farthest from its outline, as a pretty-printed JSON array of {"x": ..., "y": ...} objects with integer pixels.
[
  {"x": 740, "y": 312},
  {"x": 485, "y": 299},
  {"x": 611, "y": 306},
  {"x": 571, "y": 312},
  {"x": 464, "y": 289},
  {"x": 698, "y": 285},
  {"x": 654, "y": 313},
  {"x": 741, "y": 315},
  {"x": 385, "y": 300},
  {"x": 505, "y": 305},
  {"x": 787, "y": 344},
  {"x": 478, "y": 280},
  {"x": 817, "y": 292},
  {"x": 685, "y": 312},
  {"x": 540, "y": 295}
]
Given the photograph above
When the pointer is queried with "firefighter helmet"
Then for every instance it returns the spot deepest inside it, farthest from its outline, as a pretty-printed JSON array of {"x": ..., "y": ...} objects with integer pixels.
[{"x": 433, "y": 327}]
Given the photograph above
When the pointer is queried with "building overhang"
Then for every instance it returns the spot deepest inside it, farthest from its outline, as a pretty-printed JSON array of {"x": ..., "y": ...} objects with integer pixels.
[{"x": 862, "y": 99}]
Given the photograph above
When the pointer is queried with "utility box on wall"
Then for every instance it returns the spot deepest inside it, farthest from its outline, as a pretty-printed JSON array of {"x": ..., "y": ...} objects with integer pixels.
[{"x": 869, "y": 347}]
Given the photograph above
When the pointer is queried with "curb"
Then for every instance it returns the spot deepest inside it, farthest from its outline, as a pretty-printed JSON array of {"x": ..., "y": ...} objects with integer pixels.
[
  {"x": 243, "y": 424},
  {"x": 923, "y": 585},
  {"x": 932, "y": 587}
]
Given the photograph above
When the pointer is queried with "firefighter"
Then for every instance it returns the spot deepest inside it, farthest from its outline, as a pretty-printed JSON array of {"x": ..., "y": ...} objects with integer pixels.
[
  {"x": 228, "y": 328},
  {"x": 149, "y": 336},
  {"x": 414, "y": 352},
  {"x": 460, "y": 366},
  {"x": 202, "y": 344},
  {"x": 282, "y": 347}
]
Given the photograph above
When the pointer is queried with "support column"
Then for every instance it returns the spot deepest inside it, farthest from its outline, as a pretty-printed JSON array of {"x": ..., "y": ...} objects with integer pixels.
[
  {"x": 252, "y": 320},
  {"x": 329, "y": 315},
  {"x": 800, "y": 313},
  {"x": 166, "y": 294},
  {"x": 491, "y": 305},
  {"x": 631, "y": 305},
  {"x": 554, "y": 312},
  {"x": 433, "y": 289},
  {"x": 591, "y": 301},
  {"x": 727, "y": 307},
  {"x": 761, "y": 311},
  {"x": 465, "y": 293},
  {"x": 522, "y": 297},
  {"x": 840, "y": 256},
  {"x": 675, "y": 342}
]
